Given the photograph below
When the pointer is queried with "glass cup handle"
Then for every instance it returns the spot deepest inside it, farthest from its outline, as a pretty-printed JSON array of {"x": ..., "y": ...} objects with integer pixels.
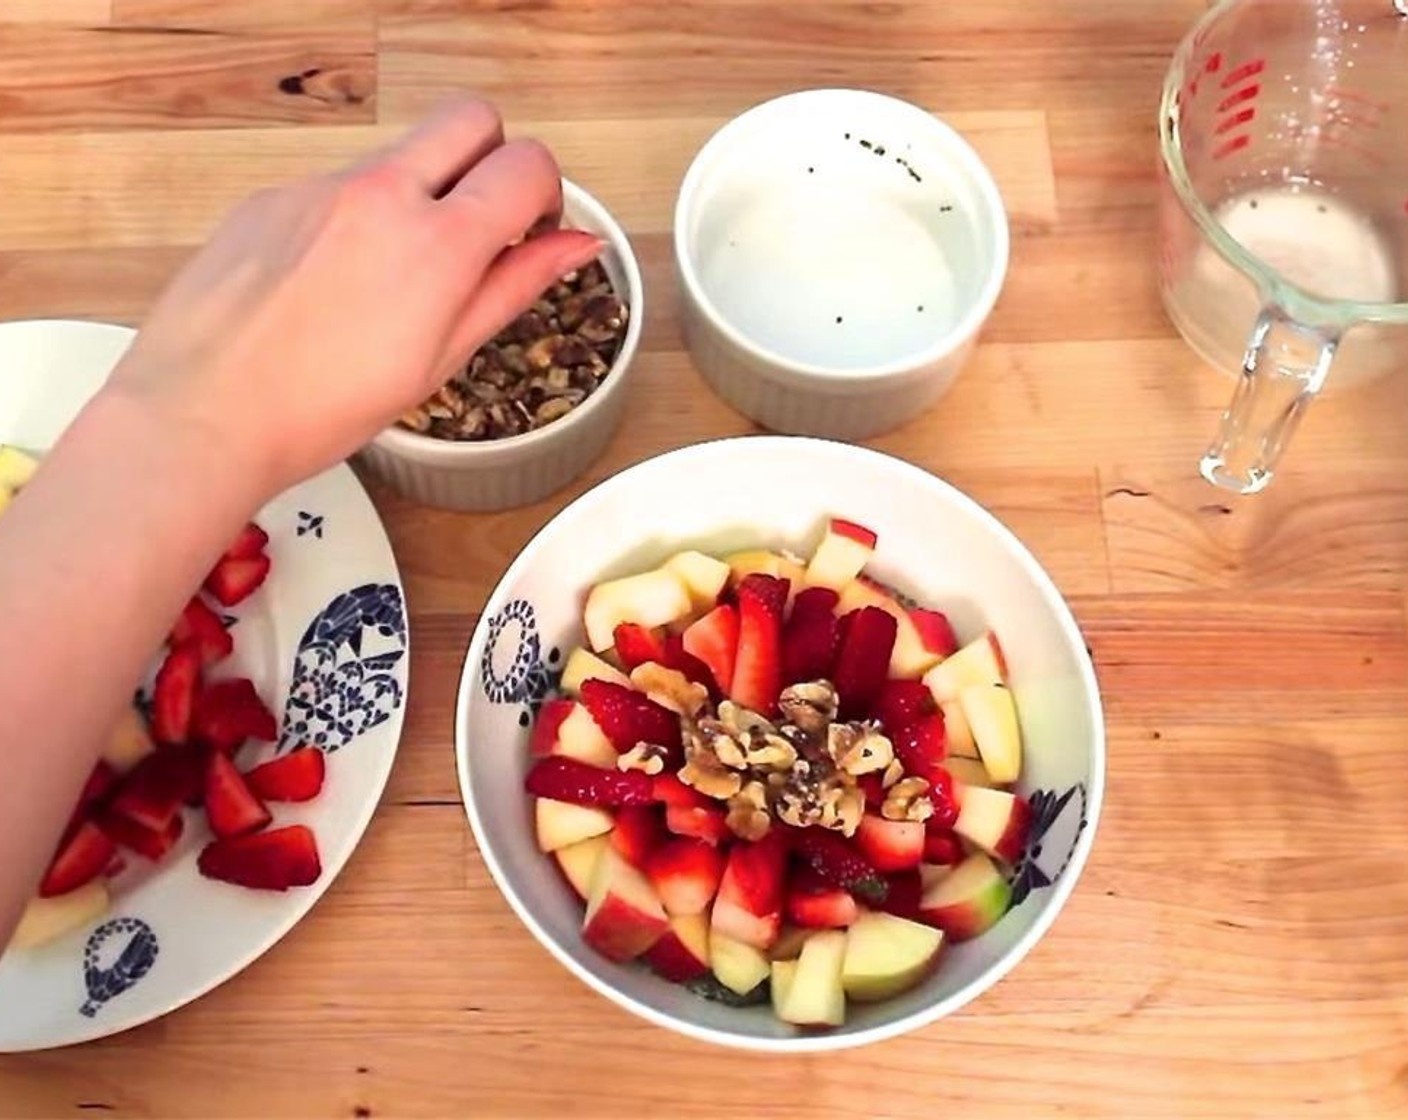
[{"x": 1285, "y": 366}]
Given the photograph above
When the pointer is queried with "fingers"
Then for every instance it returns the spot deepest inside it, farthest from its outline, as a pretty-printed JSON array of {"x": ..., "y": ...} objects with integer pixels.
[
  {"x": 510, "y": 191},
  {"x": 511, "y": 284},
  {"x": 446, "y": 145}
]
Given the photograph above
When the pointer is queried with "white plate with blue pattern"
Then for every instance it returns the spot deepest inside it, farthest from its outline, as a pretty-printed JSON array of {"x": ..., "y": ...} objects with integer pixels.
[{"x": 325, "y": 640}]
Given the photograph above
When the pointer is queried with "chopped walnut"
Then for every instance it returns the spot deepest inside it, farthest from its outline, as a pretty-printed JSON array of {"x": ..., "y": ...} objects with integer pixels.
[
  {"x": 858, "y": 748},
  {"x": 773, "y": 753},
  {"x": 741, "y": 723},
  {"x": 907, "y": 800},
  {"x": 646, "y": 757},
  {"x": 670, "y": 688},
  {"x": 893, "y": 773},
  {"x": 809, "y": 705},
  {"x": 748, "y": 816}
]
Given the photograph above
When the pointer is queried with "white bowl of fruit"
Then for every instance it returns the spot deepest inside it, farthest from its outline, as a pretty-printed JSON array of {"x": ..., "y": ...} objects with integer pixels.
[{"x": 780, "y": 743}]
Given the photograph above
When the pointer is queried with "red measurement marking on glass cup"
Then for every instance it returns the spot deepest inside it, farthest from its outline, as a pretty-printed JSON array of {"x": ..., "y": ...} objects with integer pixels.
[
  {"x": 1235, "y": 144},
  {"x": 1236, "y": 120},
  {"x": 1232, "y": 100},
  {"x": 1213, "y": 64},
  {"x": 1240, "y": 74},
  {"x": 1358, "y": 98}
]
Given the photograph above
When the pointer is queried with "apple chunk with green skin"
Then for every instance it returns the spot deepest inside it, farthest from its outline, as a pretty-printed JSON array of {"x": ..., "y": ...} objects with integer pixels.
[
  {"x": 560, "y": 823},
  {"x": 992, "y": 715},
  {"x": 886, "y": 955},
  {"x": 994, "y": 820},
  {"x": 578, "y": 862},
  {"x": 967, "y": 901},
  {"x": 815, "y": 997},
  {"x": 979, "y": 662},
  {"x": 682, "y": 953},
  {"x": 737, "y": 965},
  {"x": 583, "y": 665},
  {"x": 624, "y": 917},
  {"x": 844, "y": 550},
  {"x": 650, "y": 599},
  {"x": 703, "y": 577},
  {"x": 47, "y": 919}
]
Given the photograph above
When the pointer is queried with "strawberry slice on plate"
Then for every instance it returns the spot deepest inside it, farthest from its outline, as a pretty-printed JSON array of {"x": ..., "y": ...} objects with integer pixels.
[
  {"x": 685, "y": 874},
  {"x": 817, "y": 904},
  {"x": 297, "y": 776},
  {"x": 229, "y": 712},
  {"x": 230, "y": 807},
  {"x": 635, "y": 645},
  {"x": 235, "y": 579},
  {"x": 628, "y": 717},
  {"x": 152, "y": 793},
  {"x": 249, "y": 544},
  {"x": 864, "y": 660},
  {"x": 174, "y": 695},
  {"x": 82, "y": 857},
  {"x": 560, "y": 778},
  {"x": 702, "y": 822},
  {"x": 921, "y": 748},
  {"x": 713, "y": 639},
  {"x": 757, "y": 668},
  {"x": 811, "y": 637},
  {"x": 202, "y": 627},
  {"x": 268, "y": 861},
  {"x": 838, "y": 862},
  {"x": 902, "y": 703},
  {"x": 148, "y": 842}
]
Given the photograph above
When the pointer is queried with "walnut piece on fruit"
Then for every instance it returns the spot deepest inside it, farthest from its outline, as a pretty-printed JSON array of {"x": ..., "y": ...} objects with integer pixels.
[
  {"x": 670, "y": 688},
  {"x": 748, "y": 816},
  {"x": 774, "y": 753},
  {"x": 809, "y": 705},
  {"x": 649, "y": 758},
  {"x": 907, "y": 800},
  {"x": 893, "y": 773},
  {"x": 858, "y": 748}
]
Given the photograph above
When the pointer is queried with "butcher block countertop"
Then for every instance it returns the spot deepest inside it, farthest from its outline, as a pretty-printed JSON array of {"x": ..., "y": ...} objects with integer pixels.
[{"x": 1238, "y": 944}]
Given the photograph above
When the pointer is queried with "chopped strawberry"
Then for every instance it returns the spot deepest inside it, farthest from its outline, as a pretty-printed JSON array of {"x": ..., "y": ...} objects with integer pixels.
[
  {"x": 201, "y": 626},
  {"x": 905, "y": 889},
  {"x": 83, "y": 856},
  {"x": 755, "y": 873},
  {"x": 864, "y": 660},
  {"x": 635, "y": 645},
  {"x": 101, "y": 781},
  {"x": 677, "y": 657},
  {"x": 669, "y": 790},
  {"x": 248, "y": 544},
  {"x": 153, "y": 792},
  {"x": 686, "y": 875},
  {"x": 873, "y": 786},
  {"x": 757, "y": 668},
  {"x": 148, "y": 842},
  {"x": 817, "y": 904},
  {"x": 236, "y": 579},
  {"x": 628, "y": 717},
  {"x": 921, "y": 748},
  {"x": 944, "y": 798},
  {"x": 935, "y": 632},
  {"x": 837, "y": 861},
  {"x": 943, "y": 848},
  {"x": 568, "y": 779},
  {"x": 174, "y": 695},
  {"x": 269, "y": 861},
  {"x": 902, "y": 703},
  {"x": 713, "y": 639},
  {"x": 890, "y": 845},
  {"x": 229, "y": 712},
  {"x": 703, "y": 822},
  {"x": 811, "y": 637},
  {"x": 639, "y": 831},
  {"x": 229, "y": 805},
  {"x": 550, "y": 719},
  {"x": 297, "y": 776}
]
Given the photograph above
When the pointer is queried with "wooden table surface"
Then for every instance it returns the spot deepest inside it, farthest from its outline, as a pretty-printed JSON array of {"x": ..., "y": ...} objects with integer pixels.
[{"x": 1238, "y": 945}]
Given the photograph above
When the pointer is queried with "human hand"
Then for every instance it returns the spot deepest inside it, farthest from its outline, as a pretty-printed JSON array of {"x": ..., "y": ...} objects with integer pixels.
[{"x": 320, "y": 311}]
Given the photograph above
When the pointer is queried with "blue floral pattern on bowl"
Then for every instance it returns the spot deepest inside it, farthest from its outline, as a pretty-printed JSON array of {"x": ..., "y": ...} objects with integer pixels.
[{"x": 513, "y": 669}]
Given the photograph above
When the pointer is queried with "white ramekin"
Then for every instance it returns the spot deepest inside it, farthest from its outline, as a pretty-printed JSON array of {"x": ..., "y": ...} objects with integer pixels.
[
  {"x": 917, "y": 224},
  {"x": 519, "y": 470}
]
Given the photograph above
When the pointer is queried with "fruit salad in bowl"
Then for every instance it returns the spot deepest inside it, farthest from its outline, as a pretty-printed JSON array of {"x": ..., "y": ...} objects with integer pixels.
[{"x": 810, "y": 762}]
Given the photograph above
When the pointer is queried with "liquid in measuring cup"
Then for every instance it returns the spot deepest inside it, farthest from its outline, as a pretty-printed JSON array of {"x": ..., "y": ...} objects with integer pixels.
[{"x": 1315, "y": 240}]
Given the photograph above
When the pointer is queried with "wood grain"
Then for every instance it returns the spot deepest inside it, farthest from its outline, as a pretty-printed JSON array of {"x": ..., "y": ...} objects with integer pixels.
[{"x": 1238, "y": 946}]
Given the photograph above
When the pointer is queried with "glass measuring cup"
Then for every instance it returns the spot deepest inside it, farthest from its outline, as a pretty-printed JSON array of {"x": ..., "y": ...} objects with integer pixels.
[{"x": 1283, "y": 209}]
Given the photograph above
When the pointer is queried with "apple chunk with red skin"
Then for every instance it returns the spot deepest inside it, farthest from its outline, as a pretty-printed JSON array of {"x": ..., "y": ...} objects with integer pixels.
[
  {"x": 994, "y": 820},
  {"x": 844, "y": 550},
  {"x": 624, "y": 917},
  {"x": 560, "y": 823},
  {"x": 682, "y": 953},
  {"x": 650, "y": 599},
  {"x": 566, "y": 728},
  {"x": 578, "y": 862},
  {"x": 966, "y": 901}
]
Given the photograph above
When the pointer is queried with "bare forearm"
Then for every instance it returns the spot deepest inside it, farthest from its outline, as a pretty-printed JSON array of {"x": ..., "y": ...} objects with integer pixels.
[{"x": 97, "y": 557}]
